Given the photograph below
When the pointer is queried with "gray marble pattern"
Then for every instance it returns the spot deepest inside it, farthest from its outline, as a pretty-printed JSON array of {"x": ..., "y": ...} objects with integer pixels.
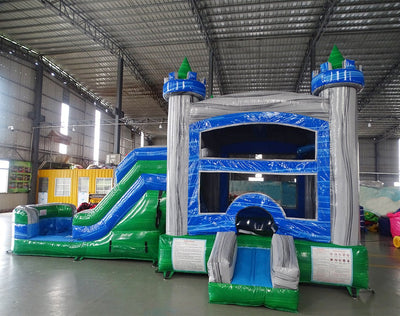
[
  {"x": 177, "y": 164},
  {"x": 269, "y": 101},
  {"x": 345, "y": 213}
]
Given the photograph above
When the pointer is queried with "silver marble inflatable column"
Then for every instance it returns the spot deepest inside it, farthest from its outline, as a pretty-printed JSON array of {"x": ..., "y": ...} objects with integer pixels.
[
  {"x": 338, "y": 81},
  {"x": 345, "y": 212},
  {"x": 177, "y": 164},
  {"x": 179, "y": 93}
]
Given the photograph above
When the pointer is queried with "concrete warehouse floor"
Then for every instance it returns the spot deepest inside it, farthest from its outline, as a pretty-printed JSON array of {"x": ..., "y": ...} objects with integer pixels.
[{"x": 60, "y": 286}]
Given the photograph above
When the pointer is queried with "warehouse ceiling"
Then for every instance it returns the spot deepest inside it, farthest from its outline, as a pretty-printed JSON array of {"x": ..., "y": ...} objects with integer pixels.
[{"x": 254, "y": 45}]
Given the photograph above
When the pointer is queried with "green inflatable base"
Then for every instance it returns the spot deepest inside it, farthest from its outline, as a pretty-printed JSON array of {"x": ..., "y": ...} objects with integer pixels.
[
  {"x": 128, "y": 245},
  {"x": 274, "y": 298},
  {"x": 360, "y": 277}
]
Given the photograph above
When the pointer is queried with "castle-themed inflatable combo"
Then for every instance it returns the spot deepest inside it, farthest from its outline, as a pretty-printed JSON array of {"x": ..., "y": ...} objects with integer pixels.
[{"x": 257, "y": 190}]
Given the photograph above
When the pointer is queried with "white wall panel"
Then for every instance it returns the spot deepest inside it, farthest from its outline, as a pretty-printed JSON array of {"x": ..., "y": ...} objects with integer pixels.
[
  {"x": 388, "y": 161},
  {"x": 52, "y": 89},
  {"x": 16, "y": 101},
  {"x": 88, "y": 131},
  {"x": 10, "y": 201},
  {"x": 160, "y": 141},
  {"x": 379, "y": 161},
  {"x": 127, "y": 141},
  {"x": 367, "y": 159}
]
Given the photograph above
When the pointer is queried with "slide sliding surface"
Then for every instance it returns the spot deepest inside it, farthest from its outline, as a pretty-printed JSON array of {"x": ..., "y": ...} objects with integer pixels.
[
  {"x": 97, "y": 222},
  {"x": 120, "y": 191}
]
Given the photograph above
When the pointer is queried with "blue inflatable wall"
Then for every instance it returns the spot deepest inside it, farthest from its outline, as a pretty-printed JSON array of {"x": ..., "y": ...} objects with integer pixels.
[{"x": 200, "y": 221}]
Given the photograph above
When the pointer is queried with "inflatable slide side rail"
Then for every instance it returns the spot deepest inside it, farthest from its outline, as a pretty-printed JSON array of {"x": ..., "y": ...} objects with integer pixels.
[
  {"x": 139, "y": 154},
  {"x": 93, "y": 216}
]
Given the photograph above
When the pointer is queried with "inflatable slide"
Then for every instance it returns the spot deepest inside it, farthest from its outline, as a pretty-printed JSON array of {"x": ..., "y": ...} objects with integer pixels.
[{"x": 125, "y": 224}]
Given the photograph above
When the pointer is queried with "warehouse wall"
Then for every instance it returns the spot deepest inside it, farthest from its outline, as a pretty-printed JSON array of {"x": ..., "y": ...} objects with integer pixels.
[
  {"x": 17, "y": 95},
  {"x": 129, "y": 141},
  {"x": 160, "y": 141},
  {"x": 388, "y": 161},
  {"x": 379, "y": 161},
  {"x": 367, "y": 159},
  {"x": 17, "y": 82},
  {"x": 81, "y": 119},
  {"x": 16, "y": 100}
]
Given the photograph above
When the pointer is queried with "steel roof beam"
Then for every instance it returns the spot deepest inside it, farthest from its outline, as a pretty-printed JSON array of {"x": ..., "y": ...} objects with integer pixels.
[
  {"x": 80, "y": 21},
  {"x": 391, "y": 132},
  {"x": 33, "y": 57},
  {"x": 380, "y": 84},
  {"x": 211, "y": 45},
  {"x": 329, "y": 7}
]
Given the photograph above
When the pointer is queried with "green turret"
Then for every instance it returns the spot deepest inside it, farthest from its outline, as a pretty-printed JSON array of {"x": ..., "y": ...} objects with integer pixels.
[
  {"x": 336, "y": 58},
  {"x": 184, "y": 69}
]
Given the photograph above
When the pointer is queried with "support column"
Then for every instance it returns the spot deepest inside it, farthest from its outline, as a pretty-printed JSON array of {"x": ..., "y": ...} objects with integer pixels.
[
  {"x": 312, "y": 61},
  {"x": 376, "y": 153},
  {"x": 180, "y": 90},
  {"x": 339, "y": 82},
  {"x": 118, "y": 108},
  {"x": 37, "y": 118},
  {"x": 210, "y": 74}
]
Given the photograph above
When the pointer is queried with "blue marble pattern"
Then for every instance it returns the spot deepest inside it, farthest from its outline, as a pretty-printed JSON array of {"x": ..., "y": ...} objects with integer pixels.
[{"x": 202, "y": 223}]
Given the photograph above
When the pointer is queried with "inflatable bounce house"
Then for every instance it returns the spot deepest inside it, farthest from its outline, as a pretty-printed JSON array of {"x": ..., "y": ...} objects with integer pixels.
[{"x": 257, "y": 190}]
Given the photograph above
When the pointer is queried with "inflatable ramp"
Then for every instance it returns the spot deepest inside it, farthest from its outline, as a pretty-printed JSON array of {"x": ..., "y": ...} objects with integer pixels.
[{"x": 254, "y": 275}]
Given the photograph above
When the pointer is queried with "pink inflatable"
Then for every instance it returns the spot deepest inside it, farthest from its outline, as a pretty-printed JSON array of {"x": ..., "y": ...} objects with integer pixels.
[{"x": 394, "y": 223}]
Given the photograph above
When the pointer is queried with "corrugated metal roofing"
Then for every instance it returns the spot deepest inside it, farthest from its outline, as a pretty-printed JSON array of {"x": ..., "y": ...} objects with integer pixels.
[{"x": 257, "y": 45}]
